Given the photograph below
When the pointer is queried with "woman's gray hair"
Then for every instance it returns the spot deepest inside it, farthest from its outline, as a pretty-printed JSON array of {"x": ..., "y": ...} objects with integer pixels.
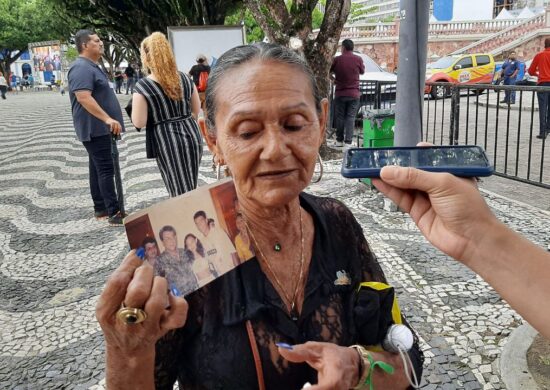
[{"x": 241, "y": 54}]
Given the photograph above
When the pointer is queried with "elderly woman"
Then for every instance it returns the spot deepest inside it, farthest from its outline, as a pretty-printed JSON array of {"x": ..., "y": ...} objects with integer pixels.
[{"x": 265, "y": 120}]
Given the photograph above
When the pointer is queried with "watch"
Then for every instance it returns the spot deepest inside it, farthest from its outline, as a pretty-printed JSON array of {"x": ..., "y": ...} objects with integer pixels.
[{"x": 365, "y": 366}]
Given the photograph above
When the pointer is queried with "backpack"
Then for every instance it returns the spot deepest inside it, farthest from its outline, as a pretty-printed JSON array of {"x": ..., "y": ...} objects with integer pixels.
[{"x": 203, "y": 81}]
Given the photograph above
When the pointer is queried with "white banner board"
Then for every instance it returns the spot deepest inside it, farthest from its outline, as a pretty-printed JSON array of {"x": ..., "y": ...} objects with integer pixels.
[{"x": 212, "y": 41}]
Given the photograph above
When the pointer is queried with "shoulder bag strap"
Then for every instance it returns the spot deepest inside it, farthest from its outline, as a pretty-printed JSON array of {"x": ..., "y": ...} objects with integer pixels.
[{"x": 256, "y": 353}]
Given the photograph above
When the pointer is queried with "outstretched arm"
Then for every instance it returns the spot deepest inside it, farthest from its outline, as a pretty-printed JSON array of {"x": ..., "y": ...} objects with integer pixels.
[{"x": 453, "y": 216}]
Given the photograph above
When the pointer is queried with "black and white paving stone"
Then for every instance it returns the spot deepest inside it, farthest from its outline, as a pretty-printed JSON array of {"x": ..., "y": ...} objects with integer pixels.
[{"x": 55, "y": 258}]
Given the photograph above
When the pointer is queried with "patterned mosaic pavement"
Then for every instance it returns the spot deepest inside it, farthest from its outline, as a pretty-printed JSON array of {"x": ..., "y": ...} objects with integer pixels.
[{"x": 55, "y": 258}]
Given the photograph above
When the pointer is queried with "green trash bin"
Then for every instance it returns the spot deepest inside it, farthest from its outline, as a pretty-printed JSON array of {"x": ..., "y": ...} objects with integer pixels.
[{"x": 378, "y": 128}]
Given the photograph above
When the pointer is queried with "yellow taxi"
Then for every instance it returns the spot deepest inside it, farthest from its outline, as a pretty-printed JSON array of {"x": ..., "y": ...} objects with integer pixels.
[{"x": 459, "y": 69}]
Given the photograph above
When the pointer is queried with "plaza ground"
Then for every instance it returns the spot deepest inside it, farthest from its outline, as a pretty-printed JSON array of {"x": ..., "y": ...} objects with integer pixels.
[{"x": 55, "y": 258}]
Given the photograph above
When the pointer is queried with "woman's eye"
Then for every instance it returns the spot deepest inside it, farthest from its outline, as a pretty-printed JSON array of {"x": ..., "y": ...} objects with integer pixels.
[
  {"x": 295, "y": 123},
  {"x": 247, "y": 133}
]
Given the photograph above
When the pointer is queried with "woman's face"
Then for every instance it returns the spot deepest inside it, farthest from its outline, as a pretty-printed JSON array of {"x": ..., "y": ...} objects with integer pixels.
[
  {"x": 240, "y": 224},
  {"x": 268, "y": 130},
  {"x": 191, "y": 243}
]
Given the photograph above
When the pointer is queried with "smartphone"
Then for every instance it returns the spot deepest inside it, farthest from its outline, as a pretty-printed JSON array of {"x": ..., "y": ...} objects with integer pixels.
[{"x": 465, "y": 161}]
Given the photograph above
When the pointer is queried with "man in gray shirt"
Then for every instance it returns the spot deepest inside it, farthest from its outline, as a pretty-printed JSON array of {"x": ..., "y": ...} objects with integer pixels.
[{"x": 97, "y": 117}]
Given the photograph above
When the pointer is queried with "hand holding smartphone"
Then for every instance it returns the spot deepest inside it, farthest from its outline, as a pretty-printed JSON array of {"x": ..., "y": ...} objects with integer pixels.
[{"x": 459, "y": 160}]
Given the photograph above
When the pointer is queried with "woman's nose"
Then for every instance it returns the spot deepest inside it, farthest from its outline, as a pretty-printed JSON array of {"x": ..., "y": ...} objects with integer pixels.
[{"x": 274, "y": 143}]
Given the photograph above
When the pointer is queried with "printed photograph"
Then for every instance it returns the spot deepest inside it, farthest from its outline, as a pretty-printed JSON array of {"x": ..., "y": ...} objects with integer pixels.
[{"x": 194, "y": 238}]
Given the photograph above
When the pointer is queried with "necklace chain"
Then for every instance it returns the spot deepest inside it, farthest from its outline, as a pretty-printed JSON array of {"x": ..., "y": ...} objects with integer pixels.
[{"x": 292, "y": 301}]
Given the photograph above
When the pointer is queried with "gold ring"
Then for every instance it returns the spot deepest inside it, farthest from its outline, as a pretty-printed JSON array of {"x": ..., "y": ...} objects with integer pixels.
[{"x": 131, "y": 315}]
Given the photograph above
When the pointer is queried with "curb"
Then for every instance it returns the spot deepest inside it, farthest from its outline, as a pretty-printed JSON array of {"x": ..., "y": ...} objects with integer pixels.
[
  {"x": 513, "y": 360},
  {"x": 513, "y": 107}
]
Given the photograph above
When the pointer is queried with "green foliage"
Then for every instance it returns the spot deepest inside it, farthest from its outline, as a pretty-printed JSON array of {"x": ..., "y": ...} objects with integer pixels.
[
  {"x": 254, "y": 32},
  {"x": 25, "y": 21},
  {"x": 128, "y": 22},
  {"x": 71, "y": 54}
]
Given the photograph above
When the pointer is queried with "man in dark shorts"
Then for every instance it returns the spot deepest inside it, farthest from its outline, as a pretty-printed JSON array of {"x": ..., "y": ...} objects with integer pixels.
[
  {"x": 346, "y": 69},
  {"x": 97, "y": 117}
]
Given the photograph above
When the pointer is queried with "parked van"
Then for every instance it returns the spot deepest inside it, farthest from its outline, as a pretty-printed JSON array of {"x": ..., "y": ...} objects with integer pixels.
[{"x": 459, "y": 69}]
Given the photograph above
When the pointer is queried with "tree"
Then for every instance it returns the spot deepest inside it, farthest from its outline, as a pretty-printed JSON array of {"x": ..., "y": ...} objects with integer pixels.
[
  {"x": 129, "y": 22},
  {"x": 253, "y": 30},
  {"x": 23, "y": 22},
  {"x": 282, "y": 21}
]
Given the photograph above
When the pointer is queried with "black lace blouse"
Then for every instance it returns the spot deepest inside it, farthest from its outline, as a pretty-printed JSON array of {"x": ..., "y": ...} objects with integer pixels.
[{"x": 212, "y": 351}]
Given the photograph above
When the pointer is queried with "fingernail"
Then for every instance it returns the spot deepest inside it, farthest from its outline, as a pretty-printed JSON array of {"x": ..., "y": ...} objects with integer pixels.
[
  {"x": 284, "y": 345},
  {"x": 174, "y": 290},
  {"x": 140, "y": 252}
]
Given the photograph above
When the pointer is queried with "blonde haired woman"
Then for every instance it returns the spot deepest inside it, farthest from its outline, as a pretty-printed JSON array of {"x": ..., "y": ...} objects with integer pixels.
[{"x": 168, "y": 102}]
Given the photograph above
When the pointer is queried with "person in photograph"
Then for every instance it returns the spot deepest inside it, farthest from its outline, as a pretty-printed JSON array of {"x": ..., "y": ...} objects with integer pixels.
[
  {"x": 172, "y": 101},
  {"x": 56, "y": 62},
  {"x": 173, "y": 264},
  {"x": 48, "y": 66},
  {"x": 266, "y": 120},
  {"x": 211, "y": 223},
  {"x": 243, "y": 244},
  {"x": 217, "y": 244},
  {"x": 149, "y": 244},
  {"x": 204, "y": 270}
]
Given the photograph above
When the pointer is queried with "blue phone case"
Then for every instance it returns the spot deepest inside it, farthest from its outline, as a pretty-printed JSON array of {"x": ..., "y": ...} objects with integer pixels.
[{"x": 466, "y": 170}]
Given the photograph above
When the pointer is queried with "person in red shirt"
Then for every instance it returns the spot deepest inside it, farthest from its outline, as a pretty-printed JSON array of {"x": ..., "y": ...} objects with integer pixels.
[
  {"x": 346, "y": 69},
  {"x": 540, "y": 67}
]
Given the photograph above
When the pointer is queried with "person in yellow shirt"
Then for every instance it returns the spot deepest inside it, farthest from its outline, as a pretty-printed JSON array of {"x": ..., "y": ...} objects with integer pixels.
[{"x": 242, "y": 240}]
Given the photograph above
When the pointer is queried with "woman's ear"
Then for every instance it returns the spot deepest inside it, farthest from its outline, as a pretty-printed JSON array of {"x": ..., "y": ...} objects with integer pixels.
[
  {"x": 210, "y": 139},
  {"x": 323, "y": 119}
]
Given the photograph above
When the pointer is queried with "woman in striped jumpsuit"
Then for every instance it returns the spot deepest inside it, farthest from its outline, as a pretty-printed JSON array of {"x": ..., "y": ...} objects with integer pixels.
[{"x": 168, "y": 101}]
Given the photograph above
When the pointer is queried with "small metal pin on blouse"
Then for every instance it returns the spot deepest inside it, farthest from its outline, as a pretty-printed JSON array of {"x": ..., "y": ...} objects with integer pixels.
[{"x": 342, "y": 279}]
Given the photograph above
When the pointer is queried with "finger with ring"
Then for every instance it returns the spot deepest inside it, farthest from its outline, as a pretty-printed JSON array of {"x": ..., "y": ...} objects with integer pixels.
[{"x": 131, "y": 315}]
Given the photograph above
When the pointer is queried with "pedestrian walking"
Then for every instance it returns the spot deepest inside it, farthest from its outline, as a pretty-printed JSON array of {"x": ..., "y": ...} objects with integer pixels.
[
  {"x": 540, "y": 67},
  {"x": 13, "y": 83},
  {"x": 168, "y": 100},
  {"x": 510, "y": 69},
  {"x": 3, "y": 86},
  {"x": 118, "y": 81},
  {"x": 97, "y": 118},
  {"x": 345, "y": 71},
  {"x": 199, "y": 72},
  {"x": 130, "y": 78}
]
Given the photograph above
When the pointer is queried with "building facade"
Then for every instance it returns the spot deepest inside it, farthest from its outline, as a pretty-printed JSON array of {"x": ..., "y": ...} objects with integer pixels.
[{"x": 387, "y": 10}]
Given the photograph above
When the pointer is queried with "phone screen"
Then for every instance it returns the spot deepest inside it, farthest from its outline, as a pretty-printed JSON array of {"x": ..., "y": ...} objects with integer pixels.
[{"x": 418, "y": 157}]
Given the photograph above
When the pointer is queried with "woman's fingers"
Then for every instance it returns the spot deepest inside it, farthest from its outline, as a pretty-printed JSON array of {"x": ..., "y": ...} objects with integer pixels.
[
  {"x": 176, "y": 315},
  {"x": 309, "y": 352},
  {"x": 156, "y": 300},
  {"x": 115, "y": 289},
  {"x": 139, "y": 289}
]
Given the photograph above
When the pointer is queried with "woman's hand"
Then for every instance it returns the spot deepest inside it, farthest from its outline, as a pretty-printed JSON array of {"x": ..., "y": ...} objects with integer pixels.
[
  {"x": 449, "y": 211},
  {"x": 131, "y": 347},
  {"x": 337, "y": 367}
]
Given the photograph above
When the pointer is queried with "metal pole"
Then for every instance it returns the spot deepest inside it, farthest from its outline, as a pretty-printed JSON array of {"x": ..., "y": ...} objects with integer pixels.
[{"x": 411, "y": 70}]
